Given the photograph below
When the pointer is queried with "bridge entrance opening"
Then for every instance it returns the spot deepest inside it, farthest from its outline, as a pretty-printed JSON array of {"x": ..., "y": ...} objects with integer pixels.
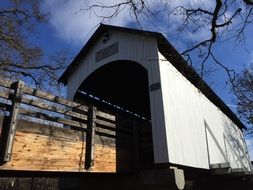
[
  {"x": 122, "y": 85},
  {"x": 121, "y": 88}
]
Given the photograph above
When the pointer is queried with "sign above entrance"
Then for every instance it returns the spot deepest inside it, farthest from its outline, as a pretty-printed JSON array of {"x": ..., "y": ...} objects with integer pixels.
[{"x": 107, "y": 52}]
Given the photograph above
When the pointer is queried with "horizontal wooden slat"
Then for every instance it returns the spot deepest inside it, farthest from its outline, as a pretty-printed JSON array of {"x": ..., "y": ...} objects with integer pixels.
[
  {"x": 49, "y": 97},
  {"x": 4, "y": 94},
  {"x": 53, "y": 108},
  {"x": 53, "y": 98},
  {"x": 105, "y": 134},
  {"x": 5, "y": 83},
  {"x": 52, "y": 118},
  {"x": 106, "y": 115},
  {"x": 105, "y": 131},
  {"x": 117, "y": 130},
  {"x": 105, "y": 123}
]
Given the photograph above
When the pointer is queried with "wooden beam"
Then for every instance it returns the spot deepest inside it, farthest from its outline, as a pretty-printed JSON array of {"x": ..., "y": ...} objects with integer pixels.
[
  {"x": 238, "y": 172},
  {"x": 53, "y": 98},
  {"x": 91, "y": 128},
  {"x": 220, "y": 165},
  {"x": 220, "y": 168},
  {"x": 52, "y": 108},
  {"x": 5, "y": 83},
  {"x": 10, "y": 123},
  {"x": 106, "y": 115},
  {"x": 46, "y": 117},
  {"x": 105, "y": 123}
]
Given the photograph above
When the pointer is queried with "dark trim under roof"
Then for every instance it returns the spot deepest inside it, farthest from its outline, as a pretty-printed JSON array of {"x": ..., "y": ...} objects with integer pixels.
[{"x": 170, "y": 53}]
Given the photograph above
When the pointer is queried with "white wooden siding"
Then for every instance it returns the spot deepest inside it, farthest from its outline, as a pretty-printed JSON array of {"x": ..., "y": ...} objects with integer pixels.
[
  {"x": 188, "y": 129},
  {"x": 198, "y": 133}
]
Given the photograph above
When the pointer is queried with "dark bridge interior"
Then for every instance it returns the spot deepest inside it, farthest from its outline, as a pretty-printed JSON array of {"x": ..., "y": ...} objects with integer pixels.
[
  {"x": 122, "y": 83},
  {"x": 121, "y": 88}
]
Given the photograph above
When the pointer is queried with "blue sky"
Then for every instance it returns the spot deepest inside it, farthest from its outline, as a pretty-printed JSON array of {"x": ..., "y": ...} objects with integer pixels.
[{"x": 69, "y": 28}]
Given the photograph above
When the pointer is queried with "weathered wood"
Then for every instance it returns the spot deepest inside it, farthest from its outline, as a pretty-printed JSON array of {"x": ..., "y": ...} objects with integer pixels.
[
  {"x": 53, "y": 98},
  {"x": 105, "y": 123},
  {"x": 5, "y": 95},
  {"x": 108, "y": 118},
  {"x": 10, "y": 123},
  {"x": 105, "y": 134},
  {"x": 104, "y": 130},
  {"x": 5, "y": 83},
  {"x": 32, "y": 152},
  {"x": 91, "y": 127},
  {"x": 107, "y": 128},
  {"x": 46, "y": 117},
  {"x": 62, "y": 149},
  {"x": 105, "y": 138},
  {"x": 53, "y": 108},
  {"x": 106, "y": 115},
  {"x": 118, "y": 129},
  {"x": 108, "y": 146},
  {"x": 39, "y": 147},
  {"x": 27, "y": 126}
]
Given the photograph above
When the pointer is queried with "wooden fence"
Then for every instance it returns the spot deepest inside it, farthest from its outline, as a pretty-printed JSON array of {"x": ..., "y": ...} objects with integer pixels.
[{"x": 19, "y": 100}]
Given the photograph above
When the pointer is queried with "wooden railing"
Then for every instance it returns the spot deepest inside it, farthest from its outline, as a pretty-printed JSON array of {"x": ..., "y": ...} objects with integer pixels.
[
  {"x": 19, "y": 100},
  {"x": 131, "y": 138}
]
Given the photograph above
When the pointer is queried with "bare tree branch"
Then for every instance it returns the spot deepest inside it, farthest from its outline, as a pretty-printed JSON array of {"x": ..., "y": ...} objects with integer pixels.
[
  {"x": 248, "y": 2},
  {"x": 19, "y": 59}
]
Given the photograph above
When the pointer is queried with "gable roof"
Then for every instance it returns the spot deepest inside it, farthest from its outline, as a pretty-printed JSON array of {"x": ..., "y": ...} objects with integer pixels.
[{"x": 169, "y": 52}]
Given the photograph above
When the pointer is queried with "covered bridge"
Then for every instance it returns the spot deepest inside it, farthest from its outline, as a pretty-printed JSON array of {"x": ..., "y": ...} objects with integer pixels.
[
  {"x": 136, "y": 115},
  {"x": 140, "y": 73}
]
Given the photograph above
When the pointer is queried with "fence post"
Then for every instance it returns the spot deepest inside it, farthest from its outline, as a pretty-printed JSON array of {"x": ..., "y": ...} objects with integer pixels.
[
  {"x": 10, "y": 122},
  {"x": 91, "y": 127}
]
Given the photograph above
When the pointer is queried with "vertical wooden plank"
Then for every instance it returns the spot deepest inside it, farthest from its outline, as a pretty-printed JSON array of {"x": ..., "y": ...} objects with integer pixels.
[
  {"x": 89, "y": 151},
  {"x": 136, "y": 137},
  {"x": 10, "y": 123}
]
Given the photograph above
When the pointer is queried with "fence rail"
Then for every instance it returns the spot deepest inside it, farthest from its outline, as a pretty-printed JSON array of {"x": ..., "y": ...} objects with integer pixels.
[{"x": 17, "y": 100}]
